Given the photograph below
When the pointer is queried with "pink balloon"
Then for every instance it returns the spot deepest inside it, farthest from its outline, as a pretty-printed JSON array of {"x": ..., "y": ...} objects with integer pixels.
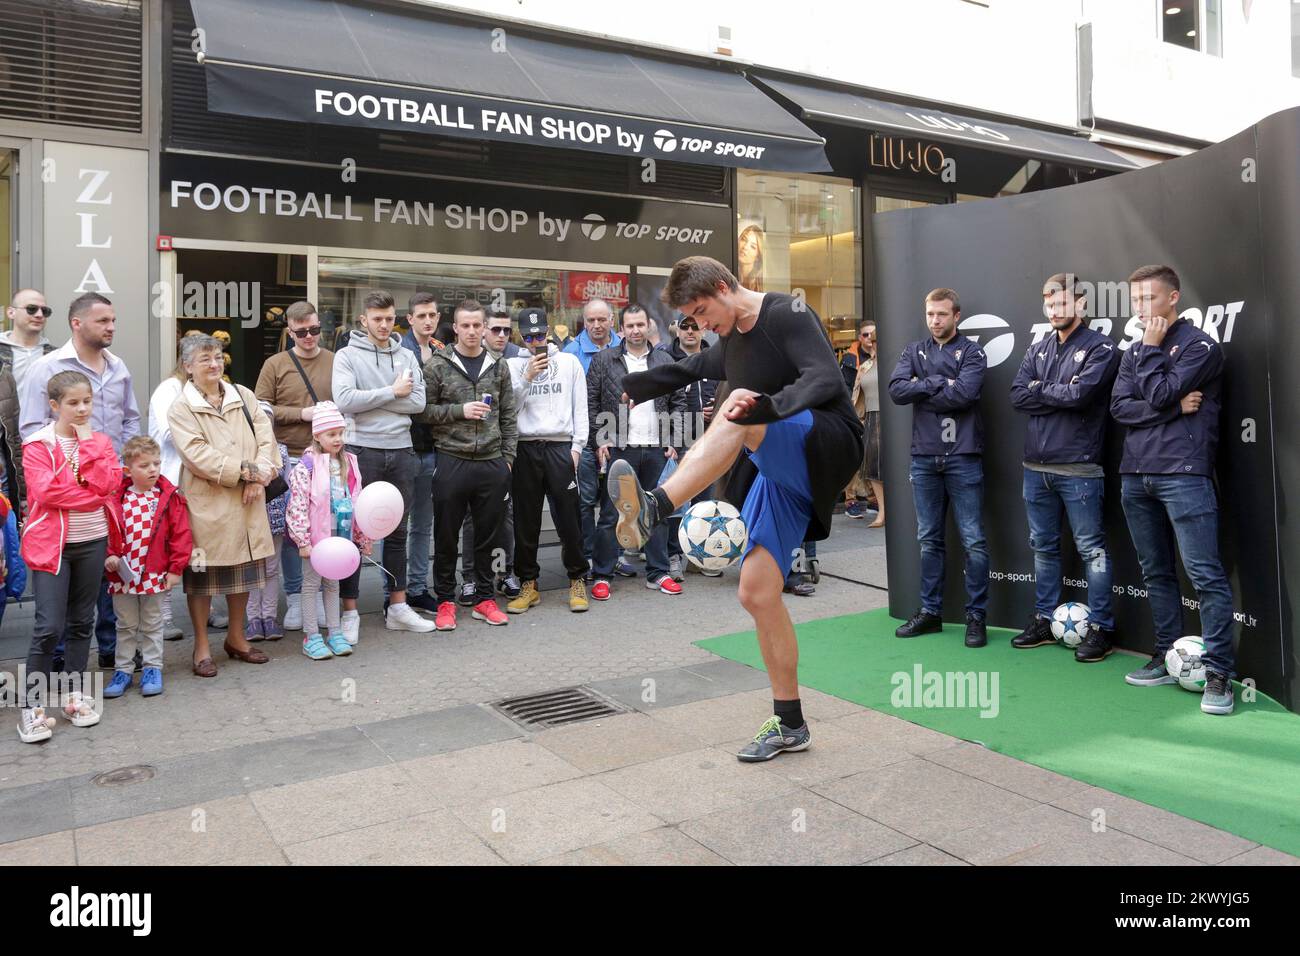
[
  {"x": 335, "y": 558},
  {"x": 378, "y": 510}
]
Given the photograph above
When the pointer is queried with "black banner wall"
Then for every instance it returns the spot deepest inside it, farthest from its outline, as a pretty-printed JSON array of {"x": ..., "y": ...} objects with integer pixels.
[
  {"x": 207, "y": 198},
  {"x": 1226, "y": 219}
]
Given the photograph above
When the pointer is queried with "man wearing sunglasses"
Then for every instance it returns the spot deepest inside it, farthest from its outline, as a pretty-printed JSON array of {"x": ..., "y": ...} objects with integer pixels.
[
  {"x": 25, "y": 341},
  {"x": 551, "y": 402},
  {"x": 291, "y": 382}
]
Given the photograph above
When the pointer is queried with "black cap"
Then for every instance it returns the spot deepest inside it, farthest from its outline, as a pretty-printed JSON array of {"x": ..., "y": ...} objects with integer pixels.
[{"x": 532, "y": 321}]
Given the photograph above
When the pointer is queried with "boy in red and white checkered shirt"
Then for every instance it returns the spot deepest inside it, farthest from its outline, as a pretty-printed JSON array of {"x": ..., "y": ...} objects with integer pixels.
[{"x": 145, "y": 561}]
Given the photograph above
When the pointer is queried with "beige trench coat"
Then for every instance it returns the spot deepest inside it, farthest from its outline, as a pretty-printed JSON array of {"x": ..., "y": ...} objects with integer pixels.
[{"x": 211, "y": 445}]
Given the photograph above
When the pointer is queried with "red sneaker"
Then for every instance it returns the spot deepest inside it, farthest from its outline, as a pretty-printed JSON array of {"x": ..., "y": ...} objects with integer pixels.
[
  {"x": 665, "y": 584},
  {"x": 446, "y": 618},
  {"x": 600, "y": 591},
  {"x": 487, "y": 610}
]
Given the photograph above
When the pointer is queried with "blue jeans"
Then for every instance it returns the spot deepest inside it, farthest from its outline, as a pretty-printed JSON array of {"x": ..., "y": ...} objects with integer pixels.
[
  {"x": 290, "y": 560},
  {"x": 1186, "y": 504},
  {"x": 591, "y": 493},
  {"x": 421, "y": 527},
  {"x": 1047, "y": 496},
  {"x": 936, "y": 481}
]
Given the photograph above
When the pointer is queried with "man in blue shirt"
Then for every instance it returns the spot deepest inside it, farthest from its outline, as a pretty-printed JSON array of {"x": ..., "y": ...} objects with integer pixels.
[
  {"x": 1168, "y": 394},
  {"x": 597, "y": 335},
  {"x": 1064, "y": 387},
  {"x": 941, "y": 378}
]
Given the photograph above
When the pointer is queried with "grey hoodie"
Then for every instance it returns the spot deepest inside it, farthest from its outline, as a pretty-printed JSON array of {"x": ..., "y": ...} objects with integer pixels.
[{"x": 363, "y": 390}]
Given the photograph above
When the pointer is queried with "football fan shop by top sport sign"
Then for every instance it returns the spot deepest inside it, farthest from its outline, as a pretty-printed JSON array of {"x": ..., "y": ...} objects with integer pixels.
[{"x": 205, "y": 198}]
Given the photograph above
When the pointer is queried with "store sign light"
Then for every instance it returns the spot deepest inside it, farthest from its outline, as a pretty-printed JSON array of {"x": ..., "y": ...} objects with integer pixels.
[{"x": 898, "y": 154}]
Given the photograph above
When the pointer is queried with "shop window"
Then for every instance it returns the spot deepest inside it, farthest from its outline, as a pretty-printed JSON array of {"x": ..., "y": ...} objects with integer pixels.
[
  {"x": 8, "y": 164},
  {"x": 801, "y": 233},
  {"x": 1192, "y": 24}
]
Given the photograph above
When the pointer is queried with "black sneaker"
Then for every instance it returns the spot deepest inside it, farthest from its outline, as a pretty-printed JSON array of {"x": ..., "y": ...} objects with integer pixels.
[
  {"x": 107, "y": 660},
  {"x": 1038, "y": 633},
  {"x": 1097, "y": 646},
  {"x": 976, "y": 635},
  {"x": 467, "y": 595},
  {"x": 423, "y": 602},
  {"x": 922, "y": 622},
  {"x": 510, "y": 585},
  {"x": 638, "y": 512},
  {"x": 1217, "y": 698}
]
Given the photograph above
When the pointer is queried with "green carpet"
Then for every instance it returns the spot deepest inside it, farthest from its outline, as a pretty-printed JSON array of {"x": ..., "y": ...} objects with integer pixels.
[{"x": 1239, "y": 773}]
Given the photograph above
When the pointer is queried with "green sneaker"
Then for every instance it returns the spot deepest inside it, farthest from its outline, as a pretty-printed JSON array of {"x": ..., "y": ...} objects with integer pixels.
[
  {"x": 774, "y": 738},
  {"x": 1151, "y": 674},
  {"x": 1218, "y": 694}
]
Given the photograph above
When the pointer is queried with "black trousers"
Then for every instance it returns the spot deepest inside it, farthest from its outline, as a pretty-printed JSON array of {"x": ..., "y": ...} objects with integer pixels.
[
  {"x": 66, "y": 599},
  {"x": 545, "y": 468},
  {"x": 478, "y": 488}
]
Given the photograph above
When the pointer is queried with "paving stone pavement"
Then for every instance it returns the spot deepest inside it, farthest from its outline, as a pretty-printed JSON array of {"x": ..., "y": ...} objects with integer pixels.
[{"x": 269, "y": 765}]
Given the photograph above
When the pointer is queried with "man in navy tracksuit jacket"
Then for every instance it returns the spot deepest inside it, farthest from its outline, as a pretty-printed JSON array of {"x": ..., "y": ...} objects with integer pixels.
[
  {"x": 1064, "y": 387},
  {"x": 1168, "y": 394},
  {"x": 941, "y": 378}
]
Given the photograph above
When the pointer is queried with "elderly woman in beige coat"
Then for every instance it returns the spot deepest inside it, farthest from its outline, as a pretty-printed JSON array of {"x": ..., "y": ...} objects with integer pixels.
[{"x": 229, "y": 455}]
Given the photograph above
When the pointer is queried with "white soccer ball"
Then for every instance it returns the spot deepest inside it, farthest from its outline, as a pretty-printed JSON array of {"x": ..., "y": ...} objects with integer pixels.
[
  {"x": 1071, "y": 623},
  {"x": 1184, "y": 661},
  {"x": 713, "y": 535}
]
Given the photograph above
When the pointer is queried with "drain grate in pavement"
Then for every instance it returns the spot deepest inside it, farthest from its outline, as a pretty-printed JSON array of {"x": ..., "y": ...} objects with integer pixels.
[
  {"x": 124, "y": 776},
  {"x": 555, "y": 708}
]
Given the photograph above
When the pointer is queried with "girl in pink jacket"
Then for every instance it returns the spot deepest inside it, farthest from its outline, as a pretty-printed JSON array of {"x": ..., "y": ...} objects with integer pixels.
[
  {"x": 72, "y": 472},
  {"x": 322, "y": 487}
]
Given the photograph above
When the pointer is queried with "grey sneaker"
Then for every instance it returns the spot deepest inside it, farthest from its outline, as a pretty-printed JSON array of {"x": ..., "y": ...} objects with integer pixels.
[
  {"x": 1151, "y": 674},
  {"x": 638, "y": 512},
  {"x": 675, "y": 568},
  {"x": 774, "y": 738},
  {"x": 1218, "y": 694}
]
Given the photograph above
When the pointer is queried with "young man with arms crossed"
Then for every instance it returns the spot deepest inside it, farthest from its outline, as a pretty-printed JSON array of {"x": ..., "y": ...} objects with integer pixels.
[
  {"x": 789, "y": 411},
  {"x": 1063, "y": 385},
  {"x": 941, "y": 378},
  {"x": 1168, "y": 394}
]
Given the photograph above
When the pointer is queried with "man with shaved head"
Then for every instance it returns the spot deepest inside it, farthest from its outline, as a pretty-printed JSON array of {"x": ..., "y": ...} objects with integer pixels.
[{"x": 24, "y": 341}]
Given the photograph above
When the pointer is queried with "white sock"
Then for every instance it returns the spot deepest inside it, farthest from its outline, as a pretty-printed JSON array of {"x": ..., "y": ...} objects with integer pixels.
[{"x": 397, "y": 607}]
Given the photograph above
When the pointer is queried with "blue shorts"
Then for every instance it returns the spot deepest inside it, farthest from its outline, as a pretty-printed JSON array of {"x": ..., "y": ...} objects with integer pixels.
[{"x": 779, "y": 505}]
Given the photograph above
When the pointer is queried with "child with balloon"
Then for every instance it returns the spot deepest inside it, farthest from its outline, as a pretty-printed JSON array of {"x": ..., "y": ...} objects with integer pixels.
[{"x": 322, "y": 489}]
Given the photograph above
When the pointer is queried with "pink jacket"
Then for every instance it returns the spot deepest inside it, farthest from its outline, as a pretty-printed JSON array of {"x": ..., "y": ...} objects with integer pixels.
[
  {"x": 52, "y": 492},
  {"x": 308, "y": 517}
]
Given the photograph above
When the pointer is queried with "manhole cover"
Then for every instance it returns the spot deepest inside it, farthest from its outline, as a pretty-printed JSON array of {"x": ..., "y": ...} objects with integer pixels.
[
  {"x": 125, "y": 776},
  {"x": 555, "y": 708}
]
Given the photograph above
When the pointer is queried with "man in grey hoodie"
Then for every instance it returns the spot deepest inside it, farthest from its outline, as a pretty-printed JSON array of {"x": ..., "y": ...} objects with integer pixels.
[
  {"x": 378, "y": 386},
  {"x": 25, "y": 342}
]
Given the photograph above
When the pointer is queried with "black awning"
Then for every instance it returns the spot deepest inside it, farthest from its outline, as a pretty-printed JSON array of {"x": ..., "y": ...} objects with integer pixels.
[
  {"x": 330, "y": 61},
  {"x": 821, "y": 104}
]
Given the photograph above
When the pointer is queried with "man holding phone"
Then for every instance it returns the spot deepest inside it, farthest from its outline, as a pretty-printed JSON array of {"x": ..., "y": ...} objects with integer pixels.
[
  {"x": 551, "y": 397},
  {"x": 470, "y": 403},
  {"x": 378, "y": 386}
]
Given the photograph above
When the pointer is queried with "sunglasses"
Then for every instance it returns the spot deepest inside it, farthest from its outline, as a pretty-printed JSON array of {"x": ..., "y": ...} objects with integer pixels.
[
  {"x": 499, "y": 329},
  {"x": 304, "y": 333},
  {"x": 44, "y": 310},
  {"x": 538, "y": 337},
  {"x": 688, "y": 326}
]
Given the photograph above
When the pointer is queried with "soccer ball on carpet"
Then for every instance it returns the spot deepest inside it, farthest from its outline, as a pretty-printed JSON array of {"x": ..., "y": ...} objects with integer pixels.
[
  {"x": 1071, "y": 623},
  {"x": 713, "y": 535},
  {"x": 1184, "y": 662}
]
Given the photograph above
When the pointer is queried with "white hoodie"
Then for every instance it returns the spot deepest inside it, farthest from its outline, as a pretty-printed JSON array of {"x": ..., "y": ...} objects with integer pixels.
[{"x": 553, "y": 406}]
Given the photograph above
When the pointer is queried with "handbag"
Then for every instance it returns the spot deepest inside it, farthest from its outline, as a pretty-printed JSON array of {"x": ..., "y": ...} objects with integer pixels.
[{"x": 277, "y": 485}]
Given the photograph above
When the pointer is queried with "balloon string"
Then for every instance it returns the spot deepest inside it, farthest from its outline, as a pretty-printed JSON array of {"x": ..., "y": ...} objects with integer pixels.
[{"x": 387, "y": 573}]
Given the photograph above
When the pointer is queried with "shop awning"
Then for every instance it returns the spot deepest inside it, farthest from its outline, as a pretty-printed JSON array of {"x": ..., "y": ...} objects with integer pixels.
[
  {"x": 821, "y": 104},
  {"x": 320, "y": 61}
]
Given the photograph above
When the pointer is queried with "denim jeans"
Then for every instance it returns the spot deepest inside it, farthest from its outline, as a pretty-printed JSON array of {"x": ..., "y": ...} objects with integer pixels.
[
  {"x": 421, "y": 525},
  {"x": 936, "y": 481},
  {"x": 1155, "y": 505},
  {"x": 290, "y": 560},
  {"x": 1047, "y": 497},
  {"x": 591, "y": 493}
]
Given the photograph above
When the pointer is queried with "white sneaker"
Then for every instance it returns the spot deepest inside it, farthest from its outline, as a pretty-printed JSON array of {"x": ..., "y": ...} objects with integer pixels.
[
  {"x": 79, "y": 708},
  {"x": 34, "y": 726},
  {"x": 350, "y": 625},
  {"x": 293, "y": 616},
  {"x": 402, "y": 617}
]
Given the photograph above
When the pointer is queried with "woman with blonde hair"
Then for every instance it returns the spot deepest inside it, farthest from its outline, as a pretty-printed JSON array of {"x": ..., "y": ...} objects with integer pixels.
[{"x": 229, "y": 455}]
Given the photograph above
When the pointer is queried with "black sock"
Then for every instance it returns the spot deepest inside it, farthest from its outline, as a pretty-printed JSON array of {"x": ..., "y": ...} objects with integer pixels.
[
  {"x": 790, "y": 712},
  {"x": 664, "y": 504}
]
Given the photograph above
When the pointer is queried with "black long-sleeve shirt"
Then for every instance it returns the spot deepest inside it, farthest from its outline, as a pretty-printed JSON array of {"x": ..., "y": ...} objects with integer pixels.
[{"x": 787, "y": 359}]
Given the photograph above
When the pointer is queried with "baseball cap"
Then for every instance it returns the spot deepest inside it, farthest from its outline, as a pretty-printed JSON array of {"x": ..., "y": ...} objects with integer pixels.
[{"x": 532, "y": 321}]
